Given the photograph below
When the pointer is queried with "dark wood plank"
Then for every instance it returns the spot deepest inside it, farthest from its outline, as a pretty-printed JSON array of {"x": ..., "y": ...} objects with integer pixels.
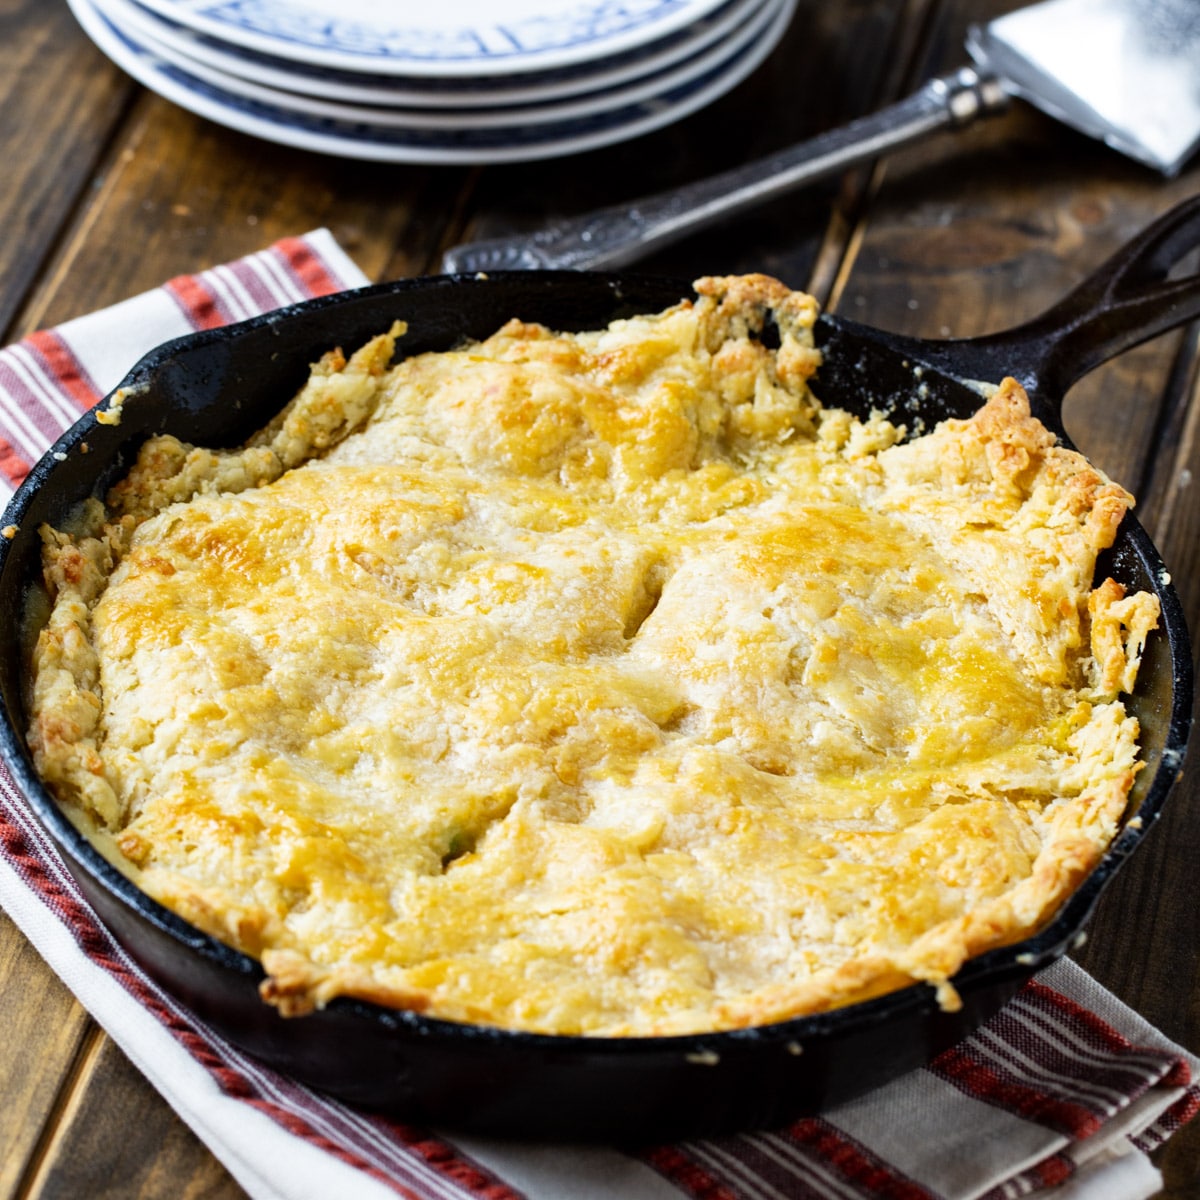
[
  {"x": 180, "y": 193},
  {"x": 43, "y": 1030},
  {"x": 59, "y": 99},
  {"x": 110, "y": 1143}
]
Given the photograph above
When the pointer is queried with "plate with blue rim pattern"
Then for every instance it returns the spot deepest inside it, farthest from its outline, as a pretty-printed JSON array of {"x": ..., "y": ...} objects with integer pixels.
[
  {"x": 492, "y": 116},
  {"x": 453, "y": 38},
  {"x": 464, "y": 144},
  {"x": 350, "y": 87}
]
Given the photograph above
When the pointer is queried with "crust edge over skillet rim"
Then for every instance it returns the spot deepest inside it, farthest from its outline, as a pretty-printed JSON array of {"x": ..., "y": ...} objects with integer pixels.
[{"x": 1013, "y": 449}]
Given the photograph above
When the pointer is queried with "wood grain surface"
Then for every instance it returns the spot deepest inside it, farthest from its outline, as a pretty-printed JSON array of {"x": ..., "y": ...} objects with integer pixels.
[{"x": 108, "y": 190}]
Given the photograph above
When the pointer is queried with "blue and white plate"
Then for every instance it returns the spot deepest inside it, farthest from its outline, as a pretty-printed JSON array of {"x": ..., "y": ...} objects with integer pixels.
[
  {"x": 493, "y": 116},
  {"x": 182, "y": 44},
  {"x": 466, "y": 142},
  {"x": 452, "y": 38}
]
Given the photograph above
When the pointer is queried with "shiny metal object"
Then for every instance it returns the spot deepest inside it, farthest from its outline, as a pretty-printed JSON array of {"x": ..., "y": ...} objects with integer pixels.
[{"x": 1124, "y": 71}]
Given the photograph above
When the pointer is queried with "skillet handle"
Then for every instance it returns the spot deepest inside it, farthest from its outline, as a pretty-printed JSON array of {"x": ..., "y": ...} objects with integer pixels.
[{"x": 1128, "y": 300}]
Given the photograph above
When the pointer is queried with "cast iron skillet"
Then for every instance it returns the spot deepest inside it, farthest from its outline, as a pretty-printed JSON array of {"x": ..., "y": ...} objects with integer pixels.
[{"x": 215, "y": 388}]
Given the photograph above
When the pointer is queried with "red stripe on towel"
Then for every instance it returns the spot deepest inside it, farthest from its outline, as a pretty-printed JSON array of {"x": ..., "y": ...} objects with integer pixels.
[
  {"x": 309, "y": 271},
  {"x": 63, "y": 370},
  {"x": 983, "y": 1081},
  {"x": 196, "y": 302},
  {"x": 13, "y": 465},
  {"x": 673, "y": 1163},
  {"x": 854, "y": 1162}
]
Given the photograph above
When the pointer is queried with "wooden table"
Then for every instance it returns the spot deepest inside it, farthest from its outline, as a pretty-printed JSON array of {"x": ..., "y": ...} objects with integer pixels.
[{"x": 107, "y": 190}]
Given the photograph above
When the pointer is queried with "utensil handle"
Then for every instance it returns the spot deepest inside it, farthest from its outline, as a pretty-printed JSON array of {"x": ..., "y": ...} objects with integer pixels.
[
  {"x": 1127, "y": 300},
  {"x": 613, "y": 237}
]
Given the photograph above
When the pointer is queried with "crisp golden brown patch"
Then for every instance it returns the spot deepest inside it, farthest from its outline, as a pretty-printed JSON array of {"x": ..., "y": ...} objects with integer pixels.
[{"x": 603, "y": 683}]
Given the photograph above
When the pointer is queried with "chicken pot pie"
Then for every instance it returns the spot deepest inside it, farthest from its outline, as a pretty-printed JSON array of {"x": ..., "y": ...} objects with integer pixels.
[{"x": 601, "y": 683}]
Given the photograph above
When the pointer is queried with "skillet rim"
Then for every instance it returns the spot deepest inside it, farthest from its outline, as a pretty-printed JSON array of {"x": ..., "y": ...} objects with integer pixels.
[{"x": 1016, "y": 961}]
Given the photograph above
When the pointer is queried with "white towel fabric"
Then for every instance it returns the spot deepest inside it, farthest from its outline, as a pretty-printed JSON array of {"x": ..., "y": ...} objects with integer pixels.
[{"x": 1060, "y": 1096}]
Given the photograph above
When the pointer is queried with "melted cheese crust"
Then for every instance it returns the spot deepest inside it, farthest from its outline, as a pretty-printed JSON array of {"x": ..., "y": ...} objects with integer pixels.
[{"x": 599, "y": 683}]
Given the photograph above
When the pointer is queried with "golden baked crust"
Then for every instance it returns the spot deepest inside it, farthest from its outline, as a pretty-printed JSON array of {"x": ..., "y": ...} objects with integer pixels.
[{"x": 602, "y": 683}]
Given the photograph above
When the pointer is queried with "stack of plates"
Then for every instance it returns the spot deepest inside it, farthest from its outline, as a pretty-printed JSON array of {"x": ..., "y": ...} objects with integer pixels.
[{"x": 451, "y": 81}]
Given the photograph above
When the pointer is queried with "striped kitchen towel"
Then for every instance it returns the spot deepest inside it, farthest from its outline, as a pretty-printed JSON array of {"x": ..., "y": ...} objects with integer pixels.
[{"x": 1062, "y": 1095}]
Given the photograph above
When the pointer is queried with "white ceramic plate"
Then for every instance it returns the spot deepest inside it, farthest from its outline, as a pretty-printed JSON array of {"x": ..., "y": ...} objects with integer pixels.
[
  {"x": 452, "y": 38},
  {"x": 363, "y": 140},
  {"x": 521, "y": 116},
  {"x": 349, "y": 87}
]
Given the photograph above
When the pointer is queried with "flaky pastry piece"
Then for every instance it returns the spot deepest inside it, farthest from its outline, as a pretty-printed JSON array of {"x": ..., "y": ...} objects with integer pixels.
[{"x": 601, "y": 683}]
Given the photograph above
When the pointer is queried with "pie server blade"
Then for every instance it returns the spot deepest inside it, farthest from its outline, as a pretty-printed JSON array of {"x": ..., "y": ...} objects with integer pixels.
[{"x": 1124, "y": 71}]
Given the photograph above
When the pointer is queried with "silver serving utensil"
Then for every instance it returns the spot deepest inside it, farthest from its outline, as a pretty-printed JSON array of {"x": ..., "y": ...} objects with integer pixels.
[{"x": 1124, "y": 71}]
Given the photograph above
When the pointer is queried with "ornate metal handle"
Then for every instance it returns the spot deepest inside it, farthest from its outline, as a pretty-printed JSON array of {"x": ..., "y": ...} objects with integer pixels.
[{"x": 612, "y": 237}]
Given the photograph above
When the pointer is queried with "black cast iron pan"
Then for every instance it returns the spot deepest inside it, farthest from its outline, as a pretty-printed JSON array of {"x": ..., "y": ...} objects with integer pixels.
[{"x": 215, "y": 388}]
